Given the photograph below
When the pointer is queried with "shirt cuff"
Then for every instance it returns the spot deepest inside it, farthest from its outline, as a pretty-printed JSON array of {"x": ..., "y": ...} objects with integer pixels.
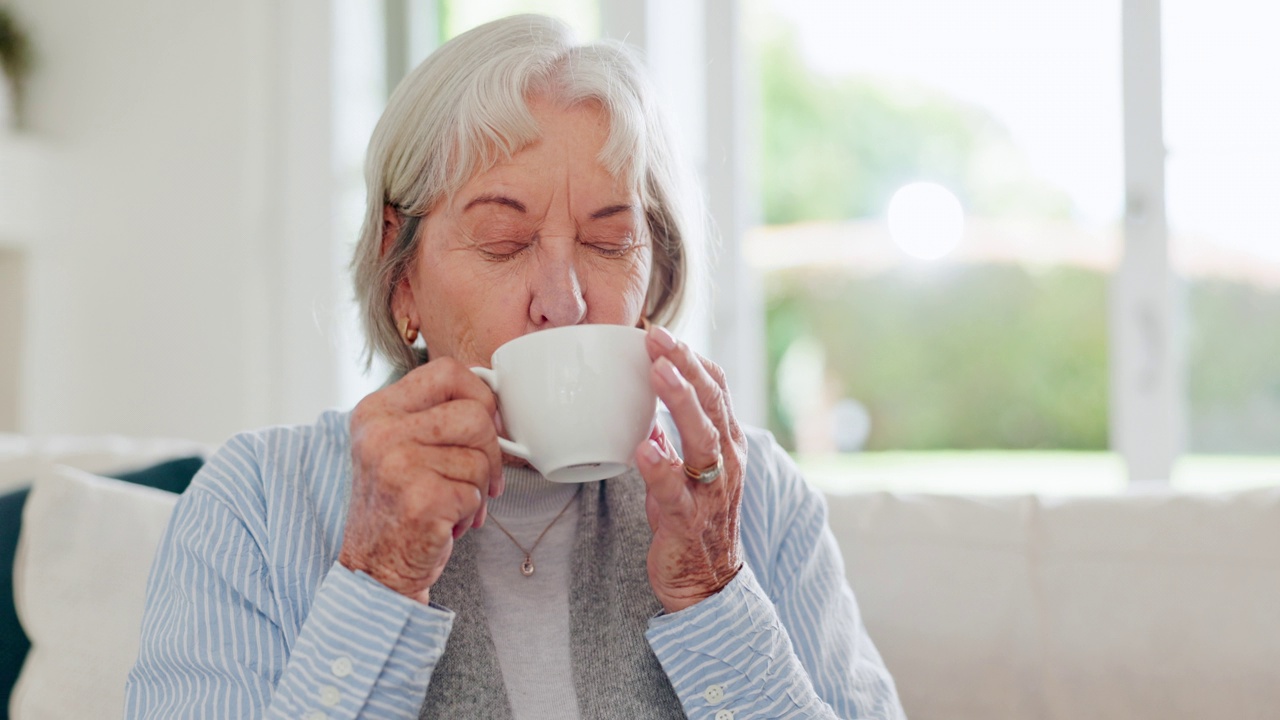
[
  {"x": 363, "y": 650},
  {"x": 729, "y": 655}
]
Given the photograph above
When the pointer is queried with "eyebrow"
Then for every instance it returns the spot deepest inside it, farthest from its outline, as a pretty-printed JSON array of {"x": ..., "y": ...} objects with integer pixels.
[
  {"x": 610, "y": 211},
  {"x": 496, "y": 200}
]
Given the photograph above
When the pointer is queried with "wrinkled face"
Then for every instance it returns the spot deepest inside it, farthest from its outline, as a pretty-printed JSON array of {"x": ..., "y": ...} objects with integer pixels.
[{"x": 544, "y": 239}]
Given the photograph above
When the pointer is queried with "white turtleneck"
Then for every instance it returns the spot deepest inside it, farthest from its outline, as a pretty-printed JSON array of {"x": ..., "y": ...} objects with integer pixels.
[{"x": 529, "y": 616}]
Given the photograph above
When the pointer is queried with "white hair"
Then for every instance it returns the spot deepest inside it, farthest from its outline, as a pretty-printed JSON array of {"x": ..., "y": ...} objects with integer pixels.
[{"x": 466, "y": 107}]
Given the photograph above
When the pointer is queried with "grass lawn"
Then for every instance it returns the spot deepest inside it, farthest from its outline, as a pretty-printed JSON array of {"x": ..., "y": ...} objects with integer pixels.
[{"x": 1003, "y": 472}]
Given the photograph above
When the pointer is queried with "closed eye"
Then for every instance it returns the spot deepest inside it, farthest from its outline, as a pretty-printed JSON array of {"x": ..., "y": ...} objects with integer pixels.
[
  {"x": 502, "y": 249},
  {"x": 610, "y": 247}
]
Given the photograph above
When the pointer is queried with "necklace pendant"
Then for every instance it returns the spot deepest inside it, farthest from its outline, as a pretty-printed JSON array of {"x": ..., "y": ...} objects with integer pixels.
[{"x": 526, "y": 567}]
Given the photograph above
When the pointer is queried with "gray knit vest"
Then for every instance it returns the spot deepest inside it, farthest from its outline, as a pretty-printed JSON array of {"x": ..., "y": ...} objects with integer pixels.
[{"x": 610, "y": 602}]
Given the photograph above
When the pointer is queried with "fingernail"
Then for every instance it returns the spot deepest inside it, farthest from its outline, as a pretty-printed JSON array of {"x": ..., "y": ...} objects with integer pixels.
[
  {"x": 668, "y": 373},
  {"x": 652, "y": 453},
  {"x": 665, "y": 339}
]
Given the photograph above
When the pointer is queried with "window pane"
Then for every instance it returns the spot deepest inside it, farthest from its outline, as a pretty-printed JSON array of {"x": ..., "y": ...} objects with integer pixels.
[
  {"x": 941, "y": 185},
  {"x": 1222, "y": 109},
  {"x": 359, "y": 94},
  {"x": 458, "y": 16}
]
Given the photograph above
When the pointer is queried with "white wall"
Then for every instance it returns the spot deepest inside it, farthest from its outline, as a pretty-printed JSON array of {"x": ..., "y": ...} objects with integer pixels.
[
  {"x": 179, "y": 265},
  {"x": 12, "y": 286},
  {"x": 182, "y": 230}
]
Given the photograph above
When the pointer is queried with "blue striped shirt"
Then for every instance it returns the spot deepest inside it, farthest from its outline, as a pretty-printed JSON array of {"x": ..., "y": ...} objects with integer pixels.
[{"x": 249, "y": 614}]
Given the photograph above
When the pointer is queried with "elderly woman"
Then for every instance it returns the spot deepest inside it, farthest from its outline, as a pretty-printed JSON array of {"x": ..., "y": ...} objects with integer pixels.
[{"x": 388, "y": 563}]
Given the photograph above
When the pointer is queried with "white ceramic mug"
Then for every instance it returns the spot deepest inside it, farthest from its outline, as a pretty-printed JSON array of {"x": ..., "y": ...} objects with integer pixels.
[{"x": 575, "y": 401}]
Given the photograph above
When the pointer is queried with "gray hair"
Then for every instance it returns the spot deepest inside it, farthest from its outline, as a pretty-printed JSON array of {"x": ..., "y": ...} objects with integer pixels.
[{"x": 466, "y": 107}]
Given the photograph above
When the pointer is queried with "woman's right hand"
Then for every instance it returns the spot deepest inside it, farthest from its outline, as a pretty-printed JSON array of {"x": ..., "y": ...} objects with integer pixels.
[{"x": 424, "y": 457}]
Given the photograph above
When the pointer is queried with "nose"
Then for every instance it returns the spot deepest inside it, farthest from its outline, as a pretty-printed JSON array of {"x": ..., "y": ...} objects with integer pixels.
[{"x": 556, "y": 288}]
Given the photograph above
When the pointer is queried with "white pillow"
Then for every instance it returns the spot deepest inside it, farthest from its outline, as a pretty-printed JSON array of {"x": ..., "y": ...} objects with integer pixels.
[
  {"x": 79, "y": 585},
  {"x": 25, "y": 457}
]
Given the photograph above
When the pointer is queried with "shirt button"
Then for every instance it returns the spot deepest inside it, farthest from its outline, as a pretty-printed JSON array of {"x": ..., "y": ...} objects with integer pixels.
[
  {"x": 315, "y": 716},
  {"x": 329, "y": 696},
  {"x": 714, "y": 694},
  {"x": 341, "y": 667},
  {"x": 724, "y": 715}
]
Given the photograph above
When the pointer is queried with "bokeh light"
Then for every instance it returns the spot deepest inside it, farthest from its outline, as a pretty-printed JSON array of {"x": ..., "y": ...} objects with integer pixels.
[{"x": 925, "y": 220}]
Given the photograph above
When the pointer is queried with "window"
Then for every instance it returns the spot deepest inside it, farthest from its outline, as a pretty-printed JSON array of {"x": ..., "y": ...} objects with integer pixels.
[
  {"x": 941, "y": 185},
  {"x": 942, "y": 192},
  {"x": 1222, "y": 108},
  {"x": 968, "y": 283},
  {"x": 458, "y": 16}
]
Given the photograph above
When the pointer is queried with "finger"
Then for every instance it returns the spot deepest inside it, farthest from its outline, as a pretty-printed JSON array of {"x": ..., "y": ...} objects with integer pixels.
[
  {"x": 465, "y": 502},
  {"x": 440, "y": 381},
  {"x": 462, "y": 423},
  {"x": 456, "y": 440},
  {"x": 705, "y": 376},
  {"x": 700, "y": 438},
  {"x": 429, "y": 506},
  {"x": 661, "y": 343},
  {"x": 460, "y": 464},
  {"x": 730, "y": 421},
  {"x": 467, "y": 471},
  {"x": 664, "y": 478}
]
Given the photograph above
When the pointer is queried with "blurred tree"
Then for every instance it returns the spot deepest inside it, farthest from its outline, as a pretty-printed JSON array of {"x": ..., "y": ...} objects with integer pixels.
[
  {"x": 982, "y": 357},
  {"x": 968, "y": 357},
  {"x": 17, "y": 58},
  {"x": 996, "y": 356},
  {"x": 976, "y": 357},
  {"x": 1234, "y": 377},
  {"x": 837, "y": 148}
]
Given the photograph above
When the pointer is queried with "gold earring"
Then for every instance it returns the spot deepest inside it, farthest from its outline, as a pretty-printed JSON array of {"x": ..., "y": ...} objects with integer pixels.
[{"x": 409, "y": 334}]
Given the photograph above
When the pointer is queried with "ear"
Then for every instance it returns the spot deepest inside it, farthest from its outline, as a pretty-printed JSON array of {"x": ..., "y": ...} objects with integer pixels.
[
  {"x": 402, "y": 303},
  {"x": 392, "y": 221},
  {"x": 402, "y": 299}
]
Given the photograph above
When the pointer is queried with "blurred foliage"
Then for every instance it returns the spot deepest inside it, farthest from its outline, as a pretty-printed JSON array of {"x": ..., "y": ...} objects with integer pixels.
[
  {"x": 960, "y": 357},
  {"x": 17, "y": 56},
  {"x": 969, "y": 356},
  {"x": 996, "y": 356},
  {"x": 838, "y": 147},
  {"x": 964, "y": 357},
  {"x": 1234, "y": 368}
]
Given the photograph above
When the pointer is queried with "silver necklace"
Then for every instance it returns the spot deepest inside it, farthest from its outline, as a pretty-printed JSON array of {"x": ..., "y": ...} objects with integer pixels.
[{"x": 526, "y": 567}]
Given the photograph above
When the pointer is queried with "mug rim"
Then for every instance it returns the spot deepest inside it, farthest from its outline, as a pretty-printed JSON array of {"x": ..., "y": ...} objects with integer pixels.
[{"x": 542, "y": 334}]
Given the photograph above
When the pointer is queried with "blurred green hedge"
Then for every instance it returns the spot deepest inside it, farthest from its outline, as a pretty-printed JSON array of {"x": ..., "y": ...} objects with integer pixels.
[{"x": 997, "y": 356}]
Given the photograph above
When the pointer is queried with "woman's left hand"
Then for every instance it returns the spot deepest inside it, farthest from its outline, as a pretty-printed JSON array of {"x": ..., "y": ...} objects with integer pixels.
[{"x": 695, "y": 550}]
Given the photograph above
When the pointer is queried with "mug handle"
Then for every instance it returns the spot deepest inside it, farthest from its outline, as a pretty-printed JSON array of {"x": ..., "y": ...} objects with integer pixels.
[{"x": 491, "y": 379}]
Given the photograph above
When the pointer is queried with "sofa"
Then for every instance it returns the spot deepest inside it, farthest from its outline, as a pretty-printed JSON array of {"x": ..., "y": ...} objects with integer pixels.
[
  {"x": 1141, "y": 605},
  {"x": 79, "y": 517}
]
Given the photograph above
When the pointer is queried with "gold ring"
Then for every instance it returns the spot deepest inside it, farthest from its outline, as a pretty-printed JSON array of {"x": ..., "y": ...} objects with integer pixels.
[{"x": 707, "y": 474}]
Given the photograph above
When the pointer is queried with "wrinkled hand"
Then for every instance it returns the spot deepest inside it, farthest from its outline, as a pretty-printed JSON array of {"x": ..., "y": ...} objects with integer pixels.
[
  {"x": 424, "y": 457},
  {"x": 696, "y": 549}
]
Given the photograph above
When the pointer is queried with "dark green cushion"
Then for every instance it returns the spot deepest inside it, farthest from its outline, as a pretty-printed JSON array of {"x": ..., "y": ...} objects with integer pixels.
[
  {"x": 13, "y": 641},
  {"x": 171, "y": 475}
]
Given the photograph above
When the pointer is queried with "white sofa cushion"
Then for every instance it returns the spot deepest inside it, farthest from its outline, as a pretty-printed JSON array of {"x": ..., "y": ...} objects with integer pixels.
[
  {"x": 79, "y": 584},
  {"x": 1140, "y": 606},
  {"x": 24, "y": 457},
  {"x": 1137, "y": 606}
]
